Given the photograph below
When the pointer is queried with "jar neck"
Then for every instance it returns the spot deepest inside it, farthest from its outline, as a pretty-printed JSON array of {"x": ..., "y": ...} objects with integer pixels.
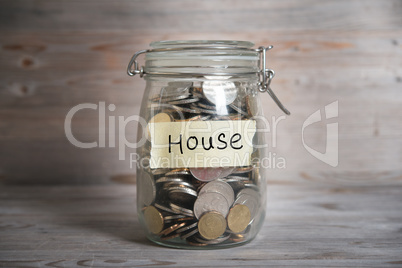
[{"x": 202, "y": 58}]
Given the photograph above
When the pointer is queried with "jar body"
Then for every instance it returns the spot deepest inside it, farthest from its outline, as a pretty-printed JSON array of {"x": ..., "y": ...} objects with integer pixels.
[{"x": 200, "y": 183}]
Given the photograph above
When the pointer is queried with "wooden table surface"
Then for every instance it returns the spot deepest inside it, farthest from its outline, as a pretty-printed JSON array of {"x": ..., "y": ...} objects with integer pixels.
[{"x": 310, "y": 225}]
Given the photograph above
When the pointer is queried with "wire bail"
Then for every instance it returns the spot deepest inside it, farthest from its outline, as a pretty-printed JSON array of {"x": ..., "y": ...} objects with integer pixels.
[{"x": 266, "y": 76}]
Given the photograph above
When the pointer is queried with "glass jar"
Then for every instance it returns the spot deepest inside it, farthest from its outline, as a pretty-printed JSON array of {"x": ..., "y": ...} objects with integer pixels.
[{"x": 200, "y": 183}]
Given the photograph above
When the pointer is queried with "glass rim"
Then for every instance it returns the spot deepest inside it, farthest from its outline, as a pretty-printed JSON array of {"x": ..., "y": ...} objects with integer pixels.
[{"x": 195, "y": 43}]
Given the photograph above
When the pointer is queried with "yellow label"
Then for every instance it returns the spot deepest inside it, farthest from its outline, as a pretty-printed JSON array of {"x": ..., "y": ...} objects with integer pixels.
[{"x": 202, "y": 143}]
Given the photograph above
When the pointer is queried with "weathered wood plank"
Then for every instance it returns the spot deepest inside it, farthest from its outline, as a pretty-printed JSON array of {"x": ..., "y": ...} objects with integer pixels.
[
  {"x": 306, "y": 226},
  {"x": 181, "y": 16}
]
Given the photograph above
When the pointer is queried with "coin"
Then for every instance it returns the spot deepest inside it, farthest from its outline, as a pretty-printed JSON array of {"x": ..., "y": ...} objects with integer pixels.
[
  {"x": 226, "y": 172},
  {"x": 191, "y": 110},
  {"x": 218, "y": 240},
  {"x": 209, "y": 174},
  {"x": 168, "y": 179},
  {"x": 181, "y": 184},
  {"x": 237, "y": 237},
  {"x": 159, "y": 171},
  {"x": 206, "y": 106},
  {"x": 237, "y": 178},
  {"x": 221, "y": 187},
  {"x": 238, "y": 109},
  {"x": 243, "y": 169},
  {"x": 250, "y": 198},
  {"x": 176, "y": 88},
  {"x": 172, "y": 228},
  {"x": 184, "y": 101},
  {"x": 219, "y": 92},
  {"x": 212, "y": 225},
  {"x": 189, "y": 234},
  {"x": 166, "y": 209},
  {"x": 202, "y": 110},
  {"x": 147, "y": 190},
  {"x": 177, "y": 217},
  {"x": 180, "y": 210},
  {"x": 238, "y": 218},
  {"x": 174, "y": 235},
  {"x": 182, "y": 195},
  {"x": 153, "y": 219},
  {"x": 186, "y": 228},
  {"x": 211, "y": 202},
  {"x": 252, "y": 106},
  {"x": 178, "y": 171},
  {"x": 165, "y": 99}
]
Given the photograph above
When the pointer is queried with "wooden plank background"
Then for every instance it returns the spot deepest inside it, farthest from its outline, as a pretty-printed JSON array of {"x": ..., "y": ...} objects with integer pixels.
[{"x": 57, "y": 54}]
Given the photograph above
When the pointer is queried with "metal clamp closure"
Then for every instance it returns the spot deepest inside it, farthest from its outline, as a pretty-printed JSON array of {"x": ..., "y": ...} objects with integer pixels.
[{"x": 266, "y": 75}]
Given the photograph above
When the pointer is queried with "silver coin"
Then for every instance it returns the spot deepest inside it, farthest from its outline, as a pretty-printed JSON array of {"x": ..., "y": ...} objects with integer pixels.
[
  {"x": 209, "y": 174},
  {"x": 251, "y": 185},
  {"x": 235, "y": 178},
  {"x": 168, "y": 179},
  {"x": 186, "y": 228},
  {"x": 147, "y": 190},
  {"x": 163, "y": 99},
  {"x": 226, "y": 171},
  {"x": 189, "y": 234},
  {"x": 180, "y": 210},
  {"x": 182, "y": 195},
  {"x": 185, "y": 109},
  {"x": 211, "y": 202},
  {"x": 252, "y": 106},
  {"x": 218, "y": 240},
  {"x": 221, "y": 187},
  {"x": 178, "y": 172},
  {"x": 219, "y": 92},
  {"x": 180, "y": 184},
  {"x": 206, "y": 106},
  {"x": 164, "y": 208},
  {"x": 249, "y": 198},
  {"x": 159, "y": 171},
  {"x": 243, "y": 169},
  {"x": 183, "y": 85},
  {"x": 184, "y": 101},
  {"x": 201, "y": 110},
  {"x": 238, "y": 109}
]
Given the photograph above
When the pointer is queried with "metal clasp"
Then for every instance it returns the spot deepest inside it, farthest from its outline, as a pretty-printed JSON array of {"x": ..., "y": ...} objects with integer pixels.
[
  {"x": 266, "y": 76},
  {"x": 136, "y": 70}
]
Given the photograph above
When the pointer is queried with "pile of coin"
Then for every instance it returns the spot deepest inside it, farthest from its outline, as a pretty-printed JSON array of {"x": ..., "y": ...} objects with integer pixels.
[{"x": 200, "y": 206}]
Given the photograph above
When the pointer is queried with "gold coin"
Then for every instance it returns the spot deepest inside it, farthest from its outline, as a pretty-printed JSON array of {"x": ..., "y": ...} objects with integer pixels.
[
  {"x": 212, "y": 225},
  {"x": 159, "y": 118},
  {"x": 153, "y": 219},
  {"x": 238, "y": 218}
]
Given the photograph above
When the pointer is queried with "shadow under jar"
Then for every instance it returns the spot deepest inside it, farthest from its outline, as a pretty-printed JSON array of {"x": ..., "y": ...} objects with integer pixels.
[{"x": 199, "y": 179}]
